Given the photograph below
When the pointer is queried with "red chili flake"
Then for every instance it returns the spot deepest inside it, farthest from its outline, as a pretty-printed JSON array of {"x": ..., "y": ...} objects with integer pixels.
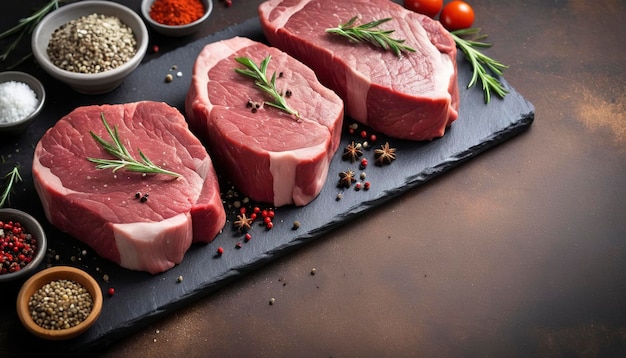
[
  {"x": 366, "y": 185},
  {"x": 111, "y": 291},
  {"x": 220, "y": 250},
  {"x": 248, "y": 237},
  {"x": 363, "y": 134}
]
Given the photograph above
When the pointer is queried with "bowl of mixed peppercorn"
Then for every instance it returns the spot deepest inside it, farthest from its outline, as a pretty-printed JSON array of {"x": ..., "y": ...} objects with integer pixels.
[
  {"x": 59, "y": 303},
  {"x": 22, "y": 245},
  {"x": 176, "y": 17},
  {"x": 92, "y": 46}
]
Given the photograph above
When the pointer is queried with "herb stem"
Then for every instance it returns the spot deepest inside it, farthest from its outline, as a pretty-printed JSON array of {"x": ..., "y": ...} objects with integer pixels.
[
  {"x": 25, "y": 26},
  {"x": 367, "y": 33},
  {"x": 470, "y": 48},
  {"x": 125, "y": 159},
  {"x": 259, "y": 74},
  {"x": 12, "y": 177}
]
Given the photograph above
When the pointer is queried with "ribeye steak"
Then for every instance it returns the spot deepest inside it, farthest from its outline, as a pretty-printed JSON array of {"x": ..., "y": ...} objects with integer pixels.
[
  {"x": 269, "y": 155},
  {"x": 414, "y": 96},
  {"x": 100, "y": 207}
]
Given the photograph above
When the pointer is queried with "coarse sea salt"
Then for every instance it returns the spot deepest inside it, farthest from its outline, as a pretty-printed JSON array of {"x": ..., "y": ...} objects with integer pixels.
[{"x": 17, "y": 101}]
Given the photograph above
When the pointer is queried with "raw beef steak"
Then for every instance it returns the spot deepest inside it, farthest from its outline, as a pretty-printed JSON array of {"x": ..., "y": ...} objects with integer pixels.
[
  {"x": 414, "y": 96},
  {"x": 269, "y": 155},
  {"x": 100, "y": 207}
]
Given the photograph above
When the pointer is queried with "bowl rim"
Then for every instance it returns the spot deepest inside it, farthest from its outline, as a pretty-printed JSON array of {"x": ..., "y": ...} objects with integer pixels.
[
  {"x": 145, "y": 11},
  {"x": 55, "y": 273},
  {"x": 15, "y": 76},
  {"x": 44, "y": 60},
  {"x": 34, "y": 226}
]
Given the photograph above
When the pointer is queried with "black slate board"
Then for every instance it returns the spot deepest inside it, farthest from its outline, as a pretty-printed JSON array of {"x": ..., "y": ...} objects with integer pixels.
[{"x": 142, "y": 298}]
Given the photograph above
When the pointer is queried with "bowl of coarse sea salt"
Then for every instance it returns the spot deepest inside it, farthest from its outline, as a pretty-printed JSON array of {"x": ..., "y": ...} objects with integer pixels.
[{"x": 22, "y": 97}]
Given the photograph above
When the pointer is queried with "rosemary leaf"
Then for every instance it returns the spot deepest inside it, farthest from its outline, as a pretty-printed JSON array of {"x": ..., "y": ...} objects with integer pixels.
[
  {"x": 124, "y": 159},
  {"x": 367, "y": 33},
  {"x": 12, "y": 177},
  {"x": 259, "y": 74},
  {"x": 481, "y": 63},
  {"x": 25, "y": 26}
]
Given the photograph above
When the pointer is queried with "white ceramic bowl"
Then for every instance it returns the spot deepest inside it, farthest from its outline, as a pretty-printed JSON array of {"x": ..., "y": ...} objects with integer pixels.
[
  {"x": 179, "y": 30},
  {"x": 31, "y": 226},
  {"x": 37, "y": 87},
  {"x": 89, "y": 83}
]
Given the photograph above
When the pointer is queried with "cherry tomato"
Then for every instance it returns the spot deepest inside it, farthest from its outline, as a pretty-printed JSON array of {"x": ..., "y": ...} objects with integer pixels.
[
  {"x": 427, "y": 7},
  {"x": 457, "y": 15}
]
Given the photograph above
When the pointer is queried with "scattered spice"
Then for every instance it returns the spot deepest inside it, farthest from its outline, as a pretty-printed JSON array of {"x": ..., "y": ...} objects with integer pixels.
[
  {"x": 357, "y": 186},
  {"x": 363, "y": 164},
  {"x": 346, "y": 179},
  {"x": 272, "y": 301},
  {"x": 179, "y": 279},
  {"x": 243, "y": 223},
  {"x": 366, "y": 185},
  {"x": 385, "y": 155},
  {"x": 111, "y": 291},
  {"x": 92, "y": 44},
  {"x": 169, "y": 78},
  {"x": 17, "y": 101},
  {"x": 352, "y": 152},
  {"x": 296, "y": 225},
  {"x": 220, "y": 251},
  {"x": 17, "y": 247},
  {"x": 60, "y": 304},
  {"x": 248, "y": 237},
  {"x": 313, "y": 271},
  {"x": 176, "y": 12}
]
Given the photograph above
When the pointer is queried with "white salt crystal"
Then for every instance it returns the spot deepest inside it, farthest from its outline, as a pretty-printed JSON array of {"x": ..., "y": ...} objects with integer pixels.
[{"x": 17, "y": 101}]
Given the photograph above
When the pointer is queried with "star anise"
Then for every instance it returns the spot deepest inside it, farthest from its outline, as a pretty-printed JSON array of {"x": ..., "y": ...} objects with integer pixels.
[
  {"x": 243, "y": 223},
  {"x": 352, "y": 152},
  {"x": 346, "y": 179},
  {"x": 385, "y": 155}
]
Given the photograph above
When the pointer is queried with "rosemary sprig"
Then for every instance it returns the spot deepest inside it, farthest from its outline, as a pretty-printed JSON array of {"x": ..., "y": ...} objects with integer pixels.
[
  {"x": 125, "y": 159},
  {"x": 25, "y": 26},
  {"x": 478, "y": 60},
  {"x": 12, "y": 177},
  {"x": 259, "y": 74},
  {"x": 367, "y": 33}
]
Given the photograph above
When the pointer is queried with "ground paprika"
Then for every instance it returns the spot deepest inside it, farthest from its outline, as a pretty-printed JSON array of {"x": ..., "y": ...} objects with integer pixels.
[{"x": 176, "y": 12}]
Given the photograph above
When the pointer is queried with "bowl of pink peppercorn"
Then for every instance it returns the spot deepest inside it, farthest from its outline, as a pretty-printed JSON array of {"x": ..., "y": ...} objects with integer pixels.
[{"x": 22, "y": 245}]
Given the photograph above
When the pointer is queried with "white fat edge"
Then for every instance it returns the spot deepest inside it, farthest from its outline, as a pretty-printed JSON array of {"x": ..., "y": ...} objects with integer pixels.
[
  {"x": 283, "y": 169},
  {"x": 280, "y": 21},
  {"x": 153, "y": 246},
  {"x": 46, "y": 178}
]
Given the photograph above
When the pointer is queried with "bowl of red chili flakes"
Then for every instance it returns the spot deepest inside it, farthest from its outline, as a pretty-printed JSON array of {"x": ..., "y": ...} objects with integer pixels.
[
  {"x": 23, "y": 245},
  {"x": 176, "y": 17}
]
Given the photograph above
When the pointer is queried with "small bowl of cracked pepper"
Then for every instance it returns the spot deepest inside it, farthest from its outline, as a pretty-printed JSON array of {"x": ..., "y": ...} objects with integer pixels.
[
  {"x": 23, "y": 245},
  {"x": 92, "y": 46},
  {"x": 59, "y": 303}
]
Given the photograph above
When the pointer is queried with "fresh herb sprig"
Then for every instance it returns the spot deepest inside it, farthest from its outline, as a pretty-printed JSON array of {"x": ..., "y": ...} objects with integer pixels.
[
  {"x": 11, "y": 177},
  {"x": 259, "y": 74},
  {"x": 480, "y": 62},
  {"x": 125, "y": 159},
  {"x": 25, "y": 26},
  {"x": 367, "y": 33}
]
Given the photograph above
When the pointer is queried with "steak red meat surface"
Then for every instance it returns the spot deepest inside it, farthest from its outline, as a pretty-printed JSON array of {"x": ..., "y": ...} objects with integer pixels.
[
  {"x": 269, "y": 155},
  {"x": 414, "y": 96},
  {"x": 99, "y": 207}
]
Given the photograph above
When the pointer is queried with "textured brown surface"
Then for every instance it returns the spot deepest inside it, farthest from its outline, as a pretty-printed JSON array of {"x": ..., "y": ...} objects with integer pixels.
[{"x": 518, "y": 252}]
